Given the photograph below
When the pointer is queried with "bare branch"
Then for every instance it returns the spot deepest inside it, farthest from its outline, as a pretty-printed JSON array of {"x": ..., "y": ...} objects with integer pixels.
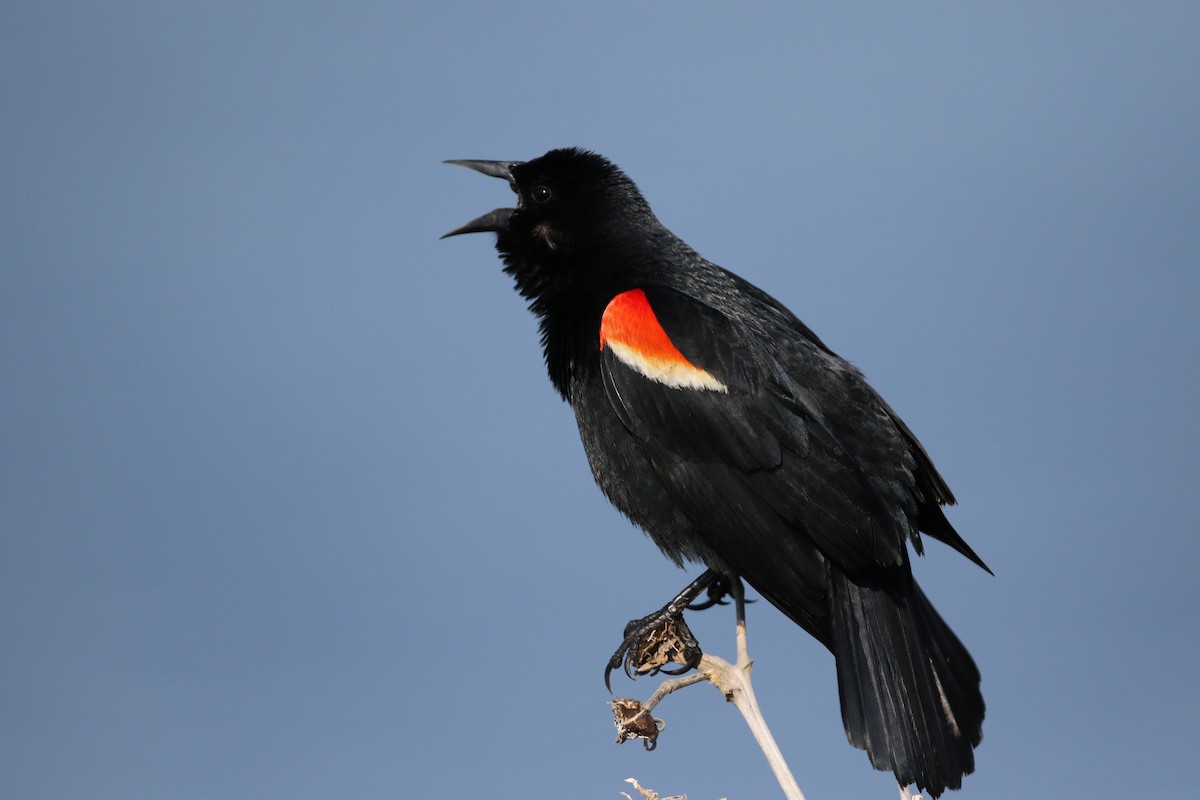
[
  {"x": 649, "y": 794},
  {"x": 733, "y": 681}
]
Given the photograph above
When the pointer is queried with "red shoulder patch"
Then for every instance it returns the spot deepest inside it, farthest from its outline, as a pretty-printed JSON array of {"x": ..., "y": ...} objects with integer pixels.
[
  {"x": 630, "y": 321},
  {"x": 632, "y": 332}
]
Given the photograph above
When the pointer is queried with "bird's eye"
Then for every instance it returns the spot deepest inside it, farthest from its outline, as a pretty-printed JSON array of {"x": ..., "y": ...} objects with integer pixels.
[{"x": 539, "y": 194}]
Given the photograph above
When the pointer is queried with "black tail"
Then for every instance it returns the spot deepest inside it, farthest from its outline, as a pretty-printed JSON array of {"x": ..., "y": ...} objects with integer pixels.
[{"x": 909, "y": 689}]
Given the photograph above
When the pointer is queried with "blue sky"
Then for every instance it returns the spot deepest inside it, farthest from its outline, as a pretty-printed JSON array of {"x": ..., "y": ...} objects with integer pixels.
[{"x": 290, "y": 509}]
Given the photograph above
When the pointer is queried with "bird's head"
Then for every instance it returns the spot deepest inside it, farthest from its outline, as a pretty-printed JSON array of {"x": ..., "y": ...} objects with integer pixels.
[{"x": 576, "y": 211}]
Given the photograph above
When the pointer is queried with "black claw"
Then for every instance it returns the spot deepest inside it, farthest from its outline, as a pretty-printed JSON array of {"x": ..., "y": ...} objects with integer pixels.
[
  {"x": 653, "y": 643},
  {"x": 662, "y": 638},
  {"x": 717, "y": 591},
  {"x": 682, "y": 668},
  {"x": 610, "y": 666}
]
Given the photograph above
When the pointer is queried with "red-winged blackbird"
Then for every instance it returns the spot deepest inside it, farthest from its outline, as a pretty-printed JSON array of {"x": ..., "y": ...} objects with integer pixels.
[{"x": 722, "y": 426}]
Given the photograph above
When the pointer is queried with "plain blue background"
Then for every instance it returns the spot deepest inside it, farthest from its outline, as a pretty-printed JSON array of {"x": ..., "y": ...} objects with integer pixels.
[{"x": 288, "y": 508}]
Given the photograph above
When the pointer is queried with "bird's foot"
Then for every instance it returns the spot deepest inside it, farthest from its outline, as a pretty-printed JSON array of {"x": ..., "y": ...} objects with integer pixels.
[
  {"x": 653, "y": 642},
  {"x": 716, "y": 593}
]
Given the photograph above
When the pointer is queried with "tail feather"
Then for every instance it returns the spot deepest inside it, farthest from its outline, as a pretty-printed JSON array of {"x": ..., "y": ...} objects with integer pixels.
[{"x": 909, "y": 689}]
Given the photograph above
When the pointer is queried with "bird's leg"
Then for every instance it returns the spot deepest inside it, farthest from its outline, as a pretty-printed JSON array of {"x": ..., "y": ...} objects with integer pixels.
[{"x": 663, "y": 637}]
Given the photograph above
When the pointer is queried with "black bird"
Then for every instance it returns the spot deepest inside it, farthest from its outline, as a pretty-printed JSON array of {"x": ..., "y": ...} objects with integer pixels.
[{"x": 722, "y": 426}]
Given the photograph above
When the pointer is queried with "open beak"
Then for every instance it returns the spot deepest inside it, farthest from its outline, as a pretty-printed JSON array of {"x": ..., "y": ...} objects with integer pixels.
[{"x": 496, "y": 220}]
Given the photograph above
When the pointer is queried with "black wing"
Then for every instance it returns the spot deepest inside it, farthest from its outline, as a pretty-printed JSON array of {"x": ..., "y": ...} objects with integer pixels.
[{"x": 796, "y": 446}]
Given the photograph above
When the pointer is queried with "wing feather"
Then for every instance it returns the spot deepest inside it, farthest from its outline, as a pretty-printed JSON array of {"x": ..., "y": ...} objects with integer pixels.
[{"x": 765, "y": 447}]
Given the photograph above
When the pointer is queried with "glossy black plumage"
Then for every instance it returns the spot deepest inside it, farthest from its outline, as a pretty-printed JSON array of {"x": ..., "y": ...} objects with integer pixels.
[{"x": 787, "y": 470}]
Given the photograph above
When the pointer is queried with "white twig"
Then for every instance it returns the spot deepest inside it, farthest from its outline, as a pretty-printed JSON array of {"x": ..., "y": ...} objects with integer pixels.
[
  {"x": 649, "y": 794},
  {"x": 733, "y": 681}
]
